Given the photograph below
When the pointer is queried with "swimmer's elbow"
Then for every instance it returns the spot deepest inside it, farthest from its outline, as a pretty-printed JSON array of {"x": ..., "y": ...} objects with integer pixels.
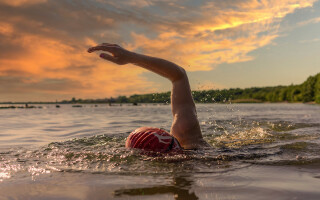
[{"x": 179, "y": 74}]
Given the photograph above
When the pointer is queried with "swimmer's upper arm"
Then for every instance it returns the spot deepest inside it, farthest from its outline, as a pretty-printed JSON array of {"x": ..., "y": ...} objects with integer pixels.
[
  {"x": 185, "y": 126},
  {"x": 181, "y": 96},
  {"x": 185, "y": 119}
]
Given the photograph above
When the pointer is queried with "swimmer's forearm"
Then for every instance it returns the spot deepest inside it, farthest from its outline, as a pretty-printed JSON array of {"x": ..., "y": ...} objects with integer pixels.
[
  {"x": 160, "y": 66},
  {"x": 122, "y": 56}
]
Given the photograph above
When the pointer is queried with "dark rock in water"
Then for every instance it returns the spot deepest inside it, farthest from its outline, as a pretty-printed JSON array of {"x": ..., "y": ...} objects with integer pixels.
[
  {"x": 21, "y": 107},
  {"x": 8, "y": 107},
  {"x": 135, "y": 104},
  {"x": 27, "y": 106},
  {"x": 57, "y": 106},
  {"x": 77, "y": 106}
]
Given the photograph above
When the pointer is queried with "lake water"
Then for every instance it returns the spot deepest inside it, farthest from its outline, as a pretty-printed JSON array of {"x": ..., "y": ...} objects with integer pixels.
[{"x": 260, "y": 151}]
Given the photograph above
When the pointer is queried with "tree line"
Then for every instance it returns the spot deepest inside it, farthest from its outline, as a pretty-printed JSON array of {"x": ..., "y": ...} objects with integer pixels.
[{"x": 308, "y": 91}]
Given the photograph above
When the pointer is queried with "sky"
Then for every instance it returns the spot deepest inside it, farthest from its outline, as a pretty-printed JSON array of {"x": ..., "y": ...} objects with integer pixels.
[{"x": 221, "y": 44}]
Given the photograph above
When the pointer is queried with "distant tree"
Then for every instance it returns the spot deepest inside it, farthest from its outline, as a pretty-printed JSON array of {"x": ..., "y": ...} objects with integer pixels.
[
  {"x": 317, "y": 89},
  {"x": 283, "y": 94},
  {"x": 308, "y": 89},
  {"x": 122, "y": 99}
]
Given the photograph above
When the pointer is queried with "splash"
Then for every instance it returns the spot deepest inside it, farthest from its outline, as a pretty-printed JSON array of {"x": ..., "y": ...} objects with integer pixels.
[{"x": 256, "y": 135}]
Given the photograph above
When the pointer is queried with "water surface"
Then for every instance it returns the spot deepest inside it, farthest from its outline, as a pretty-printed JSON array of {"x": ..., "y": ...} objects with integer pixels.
[{"x": 260, "y": 151}]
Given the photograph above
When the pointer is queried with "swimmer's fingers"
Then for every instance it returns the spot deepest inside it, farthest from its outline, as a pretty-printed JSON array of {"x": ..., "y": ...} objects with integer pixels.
[
  {"x": 119, "y": 55},
  {"x": 101, "y": 48},
  {"x": 105, "y": 47},
  {"x": 108, "y": 57},
  {"x": 114, "y": 59},
  {"x": 109, "y": 44}
]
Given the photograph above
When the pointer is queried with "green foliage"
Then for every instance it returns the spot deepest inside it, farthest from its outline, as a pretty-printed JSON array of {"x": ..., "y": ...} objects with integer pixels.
[
  {"x": 317, "y": 89},
  {"x": 305, "y": 92},
  {"x": 308, "y": 89},
  {"x": 122, "y": 99},
  {"x": 317, "y": 99},
  {"x": 150, "y": 98}
]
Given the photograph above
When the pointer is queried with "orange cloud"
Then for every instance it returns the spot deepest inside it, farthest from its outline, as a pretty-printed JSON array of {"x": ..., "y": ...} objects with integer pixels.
[
  {"x": 5, "y": 29},
  {"x": 22, "y": 2},
  {"x": 50, "y": 66},
  {"x": 43, "y": 42},
  {"x": 226, "y": 36}
]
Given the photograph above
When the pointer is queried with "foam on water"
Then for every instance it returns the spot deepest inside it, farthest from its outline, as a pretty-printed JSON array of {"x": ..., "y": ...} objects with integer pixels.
[
  {"x": 78, "y": 147},
  {"x": 106, "y": 154}
]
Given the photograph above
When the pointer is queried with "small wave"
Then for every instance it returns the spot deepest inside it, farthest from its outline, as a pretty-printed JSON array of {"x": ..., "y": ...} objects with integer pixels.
[
  {"x": 256, "y": 135},
  {"x": 106, "y": 155},
  {"x": 236, "y": 145},
  {"x": 282, "y": 126},
  {"x": 140, "y": 121},
  {"x": 298, "y": 161}
]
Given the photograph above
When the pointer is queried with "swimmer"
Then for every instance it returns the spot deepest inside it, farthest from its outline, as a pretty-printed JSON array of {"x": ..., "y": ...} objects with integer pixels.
[{"x": 185, "y": 131}]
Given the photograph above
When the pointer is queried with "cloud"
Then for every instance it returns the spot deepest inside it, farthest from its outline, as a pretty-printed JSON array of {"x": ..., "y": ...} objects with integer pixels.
[
  {"x": 309, "y": 21},
  {"x": 43, "y": 42},
  {"x": 16, "y": 3},
  {"x": 135, "y": 3},
  {"x": 218, "y": 32},
  {"x": 40, "y": 64},
  {"x": 310, "y": 41},
  {"x": 40, "y": 53}
]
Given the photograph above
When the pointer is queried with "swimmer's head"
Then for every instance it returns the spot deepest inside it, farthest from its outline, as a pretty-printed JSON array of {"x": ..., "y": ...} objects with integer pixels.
[{"x": 152, "y": 139}]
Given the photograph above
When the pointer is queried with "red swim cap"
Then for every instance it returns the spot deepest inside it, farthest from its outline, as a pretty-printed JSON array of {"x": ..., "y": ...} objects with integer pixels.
[{"x": 152, "y": 139}]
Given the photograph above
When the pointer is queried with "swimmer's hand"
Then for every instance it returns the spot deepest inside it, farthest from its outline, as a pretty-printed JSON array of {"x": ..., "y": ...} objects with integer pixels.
[{"x": 118, "y": 55}]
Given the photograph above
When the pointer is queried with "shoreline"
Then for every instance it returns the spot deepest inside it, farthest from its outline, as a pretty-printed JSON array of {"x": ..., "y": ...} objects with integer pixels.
[
  {"x": 80, "y": 105},
  {"x": 236, "y": 101}
]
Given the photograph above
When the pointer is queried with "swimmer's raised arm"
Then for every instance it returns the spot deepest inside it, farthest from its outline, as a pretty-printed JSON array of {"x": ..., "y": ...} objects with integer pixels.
[
  {"x": 185, "y": 126},
  {"x": 122, "y": 56}
]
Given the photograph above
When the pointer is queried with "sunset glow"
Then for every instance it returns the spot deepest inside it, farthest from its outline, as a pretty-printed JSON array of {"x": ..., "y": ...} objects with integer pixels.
[{"x": 43, "y": 43}]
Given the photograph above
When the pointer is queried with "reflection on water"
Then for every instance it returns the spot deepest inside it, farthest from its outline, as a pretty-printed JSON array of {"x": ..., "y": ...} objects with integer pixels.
[
  {"x": 180, "y": 189},
  {"x": 76, "y": 145}
]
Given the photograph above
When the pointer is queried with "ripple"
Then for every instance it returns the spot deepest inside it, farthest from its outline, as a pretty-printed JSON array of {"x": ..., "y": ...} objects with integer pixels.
[{"x": 239, "y": 141}]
